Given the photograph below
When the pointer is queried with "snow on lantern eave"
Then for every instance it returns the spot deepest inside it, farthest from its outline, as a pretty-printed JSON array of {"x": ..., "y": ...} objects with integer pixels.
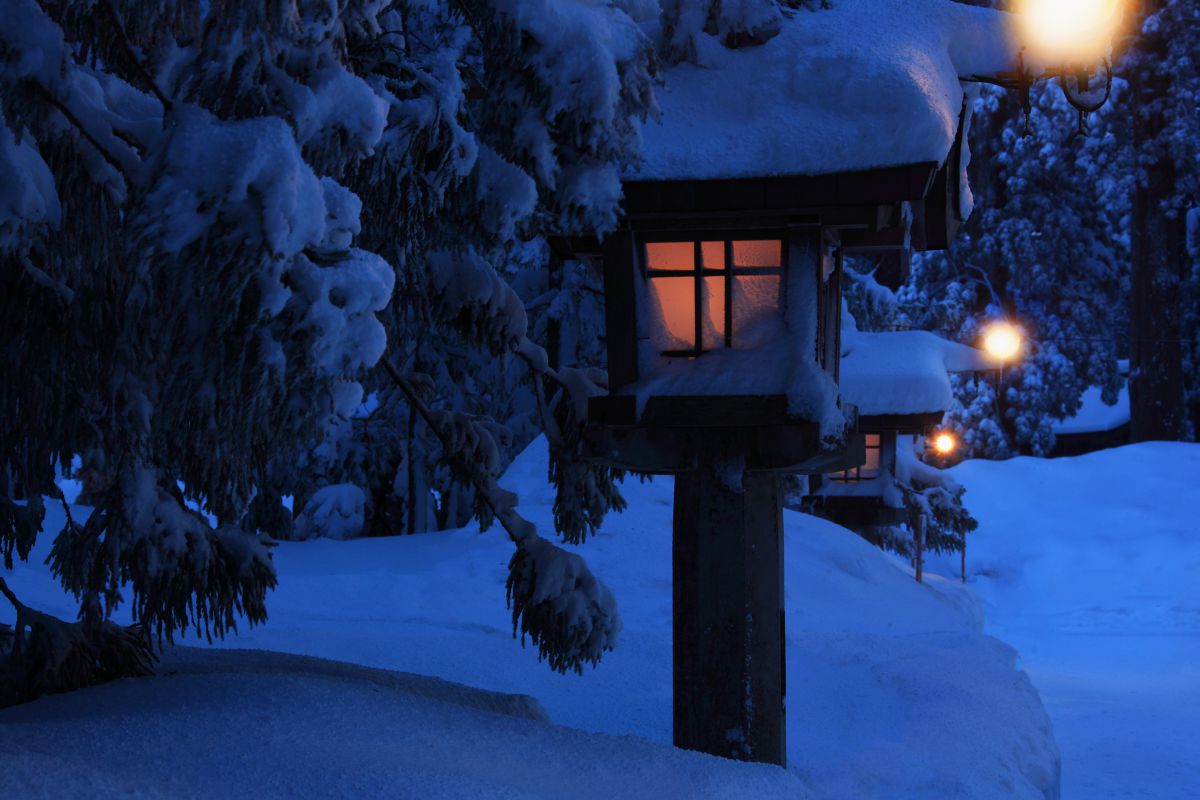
[
  {"x": 903, "y": 372},
  {"x": 862, "y": 85}
]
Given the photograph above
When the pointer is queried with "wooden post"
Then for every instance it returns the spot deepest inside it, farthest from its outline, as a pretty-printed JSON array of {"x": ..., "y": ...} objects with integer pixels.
[
  {"x": 919, "y": 533},
  {"x": 728, "y": 610},
  {"x": 964, "y": 556}
]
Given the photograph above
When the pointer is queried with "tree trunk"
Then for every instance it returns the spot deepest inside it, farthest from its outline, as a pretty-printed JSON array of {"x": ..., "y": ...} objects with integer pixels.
[
  {"x": 1156, "y": 386},
  {"x": 919, "y": 536}
]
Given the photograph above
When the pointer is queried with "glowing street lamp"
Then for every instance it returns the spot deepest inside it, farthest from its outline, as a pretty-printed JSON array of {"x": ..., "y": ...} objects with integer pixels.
[
  {"x": 1068, "y": 31},
  {"x": 1002, "y": 341},
  {"x": 944, "y": 444},
  {"x": 1065, "y": 39}
]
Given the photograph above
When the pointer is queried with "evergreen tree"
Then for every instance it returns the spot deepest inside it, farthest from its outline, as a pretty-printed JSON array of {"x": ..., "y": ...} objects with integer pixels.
[
  {"x": 1165, "y": 105},
  {"x": 1047, "y": 248},
  {"x": 204, "y": 207}
]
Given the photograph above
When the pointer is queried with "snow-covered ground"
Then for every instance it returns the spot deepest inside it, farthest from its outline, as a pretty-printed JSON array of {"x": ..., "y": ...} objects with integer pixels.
[
  {"x": 254, "y": 724},
  {"x": 893, "y": 691},
  {"x": 1090, "y": 567}
]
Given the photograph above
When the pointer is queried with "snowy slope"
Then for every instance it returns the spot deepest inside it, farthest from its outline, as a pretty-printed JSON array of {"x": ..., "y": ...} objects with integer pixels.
[
  {"x": 893, "y": 691},
  {"x": 1091, "y": 567},
  {"x": 255, "y": 724}
]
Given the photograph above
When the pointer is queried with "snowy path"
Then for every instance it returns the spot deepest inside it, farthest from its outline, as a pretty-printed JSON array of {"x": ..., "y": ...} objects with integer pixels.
[{"x": 1090, "y": 567}]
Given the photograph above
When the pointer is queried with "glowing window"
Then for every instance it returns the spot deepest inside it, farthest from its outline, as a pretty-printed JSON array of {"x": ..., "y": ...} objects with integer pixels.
[
  {"x": 709, "y": 294},
  {"x": 871, "y": 466},
  {"x": 675, "y": 300}
]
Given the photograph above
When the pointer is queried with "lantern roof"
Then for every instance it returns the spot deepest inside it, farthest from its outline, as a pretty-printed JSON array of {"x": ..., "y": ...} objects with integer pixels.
[
  {"x": 903, "y": 372},
  {"x": 1095, "y": 415},
  {"x": 864, "y": 84}
]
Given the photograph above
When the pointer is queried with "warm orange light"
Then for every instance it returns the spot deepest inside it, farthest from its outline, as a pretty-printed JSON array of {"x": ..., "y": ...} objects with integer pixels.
[
  {"x": 1002, "y": 341},
  {"x": 676, "y": 300},
  {"x": 944, "y": 444},
  {"x": 1068, "y": 31}
]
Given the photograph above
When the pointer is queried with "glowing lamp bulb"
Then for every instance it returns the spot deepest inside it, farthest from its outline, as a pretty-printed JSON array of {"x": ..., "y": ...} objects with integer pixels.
[
  {"x": 1002, "y": 341},
  {"x": 944, "y": 444},
  {"x": 1068, "y": 31}
]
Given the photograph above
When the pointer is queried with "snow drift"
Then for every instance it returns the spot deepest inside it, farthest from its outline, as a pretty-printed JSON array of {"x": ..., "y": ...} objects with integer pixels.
[{"x": 893, "y": 691}]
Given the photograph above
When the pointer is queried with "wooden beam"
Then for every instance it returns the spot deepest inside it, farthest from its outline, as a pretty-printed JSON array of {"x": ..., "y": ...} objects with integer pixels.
[
  {"x": 620, "y": 308},
  {"x": 797, "y": 448},
  {"x": 883, "y": 186}
]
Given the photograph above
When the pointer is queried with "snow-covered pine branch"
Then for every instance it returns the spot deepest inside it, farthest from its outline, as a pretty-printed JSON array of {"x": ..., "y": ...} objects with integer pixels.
[
  {"x": 569, "y": 615},
  {"x": 584, "y": 491},
  {"x": 204, "y": 207},
  {"x": 42, "y": 654}
]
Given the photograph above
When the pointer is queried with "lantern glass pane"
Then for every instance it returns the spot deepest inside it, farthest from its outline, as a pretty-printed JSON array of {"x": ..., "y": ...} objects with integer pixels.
[
  {"x": 674, "y": 300},
  {"x": 714, "y": 312},
  {"x": 755, "y": 306},
  {"x": 758, "y": 253},
  {"x": 713, "y": 255},
  {"x": 671, "y": 255},
  {"x": 870, "y": 467}
]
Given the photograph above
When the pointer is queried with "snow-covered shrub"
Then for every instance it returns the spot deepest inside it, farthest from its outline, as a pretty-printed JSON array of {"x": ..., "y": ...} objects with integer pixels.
[
  {"x": 931, "y": 500},
  {"x": 336, "y": 511}
]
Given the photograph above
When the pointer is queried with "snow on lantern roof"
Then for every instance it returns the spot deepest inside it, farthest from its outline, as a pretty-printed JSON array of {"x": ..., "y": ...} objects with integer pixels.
[
  {"x": 1094, "y": 415},
  {"x": 903, "y": 372},
  {"x": 860, "y": 85}
]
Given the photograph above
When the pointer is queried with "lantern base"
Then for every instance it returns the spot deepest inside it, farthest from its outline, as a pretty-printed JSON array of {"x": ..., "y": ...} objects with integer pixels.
[
  {"x": 728, "y": 608},
  {"x": 678, "y": 434}
]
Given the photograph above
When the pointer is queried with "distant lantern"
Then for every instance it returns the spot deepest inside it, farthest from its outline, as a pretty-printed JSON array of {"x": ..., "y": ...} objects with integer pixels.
[
  {"x": 900, "y": 383},
  {"x": 1002, "y": 341},
  {"x": 944, "y": 444}
]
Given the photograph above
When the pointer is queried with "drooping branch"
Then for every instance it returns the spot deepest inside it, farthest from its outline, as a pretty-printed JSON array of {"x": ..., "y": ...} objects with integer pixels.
[
  {"x": 123, "y": 166},
  {"x": 132, "y": 55},
  {"x": 568, "y": 614},
  {"x": 584, "y": 492},
  {"x": 12, "y": 598},
  {"x": 516, "y": 526},
  {"x": 535, "y": 358}
]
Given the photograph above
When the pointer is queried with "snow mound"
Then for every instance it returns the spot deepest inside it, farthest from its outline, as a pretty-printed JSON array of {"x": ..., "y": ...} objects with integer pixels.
[
  {"x": 893, "y": 690},
  {"x": 251, "y": 724}
]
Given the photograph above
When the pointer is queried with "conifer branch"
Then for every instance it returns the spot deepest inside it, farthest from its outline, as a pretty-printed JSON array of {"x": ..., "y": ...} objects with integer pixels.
[
  {"x": 78, "y": 125},
  {"x": 141, "y": 68},
  {"x": 12, "y": 598},
  {"x": 516, "y": 526}
]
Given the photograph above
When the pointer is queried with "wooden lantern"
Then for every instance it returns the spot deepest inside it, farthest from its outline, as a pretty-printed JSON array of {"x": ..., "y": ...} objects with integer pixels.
[{"x": 722, "y": 289}]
